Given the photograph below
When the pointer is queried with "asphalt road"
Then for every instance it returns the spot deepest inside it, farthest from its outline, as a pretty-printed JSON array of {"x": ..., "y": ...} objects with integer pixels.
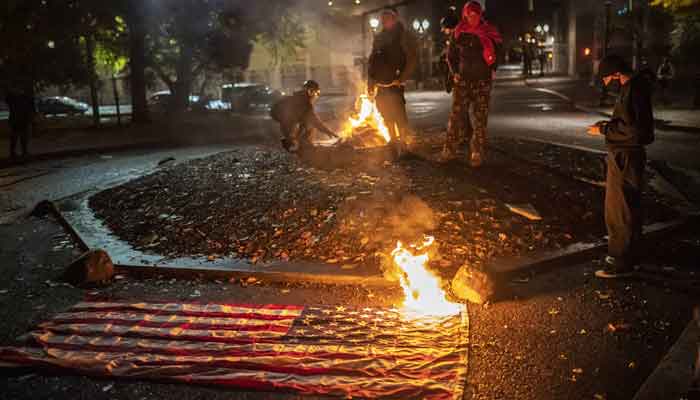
[
  {"x": 547, "y": 336},
  {"x": 522, "y": 112}
]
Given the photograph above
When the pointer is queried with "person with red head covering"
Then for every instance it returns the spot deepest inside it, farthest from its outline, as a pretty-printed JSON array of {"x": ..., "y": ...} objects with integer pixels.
[{"x": 471, "y": 57}]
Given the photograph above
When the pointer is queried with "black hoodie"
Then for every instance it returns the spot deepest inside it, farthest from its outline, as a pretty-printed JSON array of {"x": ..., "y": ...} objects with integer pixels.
[{"x": 632, "y": 124}]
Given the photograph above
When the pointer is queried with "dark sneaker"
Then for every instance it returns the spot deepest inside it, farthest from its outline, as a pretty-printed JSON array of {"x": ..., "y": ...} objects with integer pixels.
[{"x": 612, "y": 270}]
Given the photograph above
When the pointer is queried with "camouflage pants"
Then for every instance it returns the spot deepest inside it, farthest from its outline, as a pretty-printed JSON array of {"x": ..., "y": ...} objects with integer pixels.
[{"x": 468, "y": 119}]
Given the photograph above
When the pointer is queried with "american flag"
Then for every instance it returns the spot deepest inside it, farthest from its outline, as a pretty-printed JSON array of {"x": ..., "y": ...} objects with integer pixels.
[{"x": 365, "y": 353}]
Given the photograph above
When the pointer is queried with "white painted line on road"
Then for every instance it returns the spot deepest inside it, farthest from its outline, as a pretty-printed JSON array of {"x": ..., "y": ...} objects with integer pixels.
[{"x": 555, "y": 93}]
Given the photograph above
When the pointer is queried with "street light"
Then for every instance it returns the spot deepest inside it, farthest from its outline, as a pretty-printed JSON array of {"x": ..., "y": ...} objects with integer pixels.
[
  {"x": 425, "y": 25},
  {"x": 538, "y": 29},
  {"x": 421, "y": 27},
  {"x": 374, "y": 23},
  {"x": 545, "y": 28},
  {"x": 416, "y": 25}
]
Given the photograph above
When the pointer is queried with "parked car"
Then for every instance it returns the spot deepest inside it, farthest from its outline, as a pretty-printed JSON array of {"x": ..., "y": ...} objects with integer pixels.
[
  {"x": 160, "y": 101},
  {"x": 245, "y": 97},
  {"x": 60, "y": 105}
]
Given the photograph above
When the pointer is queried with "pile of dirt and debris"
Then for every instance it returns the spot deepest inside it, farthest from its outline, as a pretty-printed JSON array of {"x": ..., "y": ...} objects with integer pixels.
[{"x": 264, "y": 204}]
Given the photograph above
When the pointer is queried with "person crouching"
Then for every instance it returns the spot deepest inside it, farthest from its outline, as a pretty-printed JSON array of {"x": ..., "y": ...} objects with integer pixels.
[{"x": 298, "y": 119}]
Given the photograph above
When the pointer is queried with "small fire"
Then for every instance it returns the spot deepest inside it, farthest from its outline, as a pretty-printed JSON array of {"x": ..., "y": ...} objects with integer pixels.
[
  {"x": 421, "y": 288},
  {"x": 367, "y": 116}
]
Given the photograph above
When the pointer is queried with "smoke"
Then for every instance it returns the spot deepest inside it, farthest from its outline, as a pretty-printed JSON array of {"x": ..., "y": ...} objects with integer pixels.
[{"x": 394, "y": 218}]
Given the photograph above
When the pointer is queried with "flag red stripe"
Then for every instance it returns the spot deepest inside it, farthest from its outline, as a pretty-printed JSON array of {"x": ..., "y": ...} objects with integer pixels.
[
  {"x": 194, "y": 367},
  {"x": 165, "y": 336},
  {"x": 200, "y": 338},
  {"x": 290, "y": 307},
  {"x": 206, "y": 365},
  {"x": 126, "y": 309},
  {"x": 403, "y": 391},
  {"x": 401, "y": 388},
  {"x": 236, "y": 353},
  {"x": 170, "y": 325}
]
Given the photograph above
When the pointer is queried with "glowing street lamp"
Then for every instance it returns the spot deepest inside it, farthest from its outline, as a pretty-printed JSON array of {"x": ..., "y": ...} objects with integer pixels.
[
  {"x": 420, "y": 26},
  {"x": 545, "y": 28},
  {"x": 374, "y": 23},
  {"x": 425, "y": 24},
  {"x": 538, "y": 29}
]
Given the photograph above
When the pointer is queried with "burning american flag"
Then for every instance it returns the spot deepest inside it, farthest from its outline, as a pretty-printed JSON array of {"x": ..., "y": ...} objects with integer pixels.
[{"x": 368, "y": 353}]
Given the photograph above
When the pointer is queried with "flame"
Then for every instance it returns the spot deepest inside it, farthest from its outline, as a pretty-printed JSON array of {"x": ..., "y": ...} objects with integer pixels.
[
  {"x": 423, "y": 294},
  {"x": 368, "y": 115}
]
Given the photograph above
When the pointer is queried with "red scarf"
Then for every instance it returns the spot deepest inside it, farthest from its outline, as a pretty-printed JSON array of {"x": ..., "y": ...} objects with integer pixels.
[{"x": 487, "y": 33}]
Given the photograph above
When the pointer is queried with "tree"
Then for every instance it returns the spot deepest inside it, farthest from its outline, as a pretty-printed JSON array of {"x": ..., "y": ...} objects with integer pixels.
[
  {"x": 41, "y": 44},
  {"x": 136, "y": 22},
  {"x": 685, "y": 38},
  {"x": 103, "y": 33},
  {"x": 190, "y": 37},
  {"x": 678, "y": 5},
  {"x": 45, "y": 38}
]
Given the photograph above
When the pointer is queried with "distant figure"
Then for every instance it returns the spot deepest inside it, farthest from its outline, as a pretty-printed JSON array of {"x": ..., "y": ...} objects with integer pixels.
[
  {"x": 542, "y": 55},
  {"x": 626, "y": 135},
  {"x": 647, "y": 72},
  {"x": 447, "y": 26},
  {"x": 665, "y": 75},
  {"x": 391, "y": 63},
  {"x": 22, "y": 112},
  {"x": 298, "y": 119},
  {"x": 528, "y": 56},
  {"x": 472, "y": 59}
]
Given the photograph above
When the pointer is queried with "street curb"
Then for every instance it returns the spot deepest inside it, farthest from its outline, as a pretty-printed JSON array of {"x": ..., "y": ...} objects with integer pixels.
[
  {"x": 574, "y": 254},
  {"x": 277, "y": 272},
  {"x": 672, "y": 377},
  {"x": 283, "y": 272},
  {"x": 268, "y": 275}
]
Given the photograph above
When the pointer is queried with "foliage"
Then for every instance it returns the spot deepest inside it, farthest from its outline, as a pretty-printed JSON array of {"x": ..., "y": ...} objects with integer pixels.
[
  {"x": 686, "y": 40},
  {"x": 111, "y": 48},
  {"x": 45, "y": 42},
  {"x": 189, "y": 38},
  {"x": 39, "y": 44},
  {"x": 284, "y": 38},
  {"x": 676, "y": 5}
]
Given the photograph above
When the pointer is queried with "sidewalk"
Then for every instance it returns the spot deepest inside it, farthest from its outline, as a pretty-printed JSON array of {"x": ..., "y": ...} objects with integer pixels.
[
  {"x": 677, "y": 116},
  {"x": 192, "y": 129}
]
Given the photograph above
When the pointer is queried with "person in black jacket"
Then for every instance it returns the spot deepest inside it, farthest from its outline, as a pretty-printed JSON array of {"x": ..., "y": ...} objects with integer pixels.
[
  {"x": 626, "y": 135},
  {"x": 297, "y": 117},
  {"x": 391, "y": 64},
  {"x": 447, "y": 25},
  {"x": 472, "y": 60},
  {"x": 22, "y": 112}
]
